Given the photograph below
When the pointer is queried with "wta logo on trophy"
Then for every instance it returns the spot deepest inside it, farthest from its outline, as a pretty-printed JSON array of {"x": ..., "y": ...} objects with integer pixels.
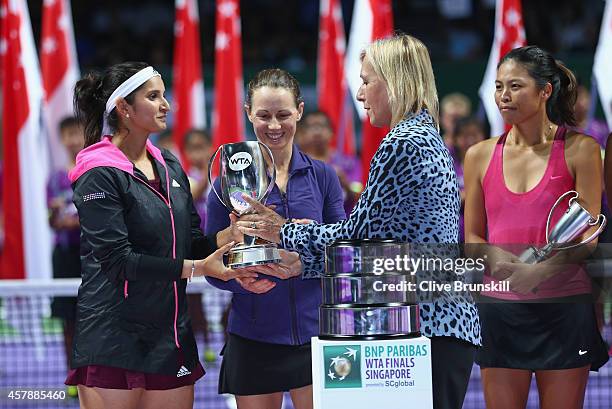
[
  {"x": 342, "y": 366},
  {"x": 240, "y": 161}
]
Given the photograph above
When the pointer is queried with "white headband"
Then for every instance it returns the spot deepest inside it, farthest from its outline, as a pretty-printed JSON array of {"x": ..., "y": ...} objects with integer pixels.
[{"x": 129, "y": 85}]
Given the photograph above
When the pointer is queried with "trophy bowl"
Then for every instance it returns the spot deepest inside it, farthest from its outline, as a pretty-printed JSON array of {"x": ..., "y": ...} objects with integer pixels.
[
  {"x": 243, "y": 171},
  {"x": 573, "y": 223}
]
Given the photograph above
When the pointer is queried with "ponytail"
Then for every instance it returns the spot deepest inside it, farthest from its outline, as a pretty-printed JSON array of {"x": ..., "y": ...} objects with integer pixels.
[
  {"x": 561, "y": 110},
  {"x": 89, "y": 106}
]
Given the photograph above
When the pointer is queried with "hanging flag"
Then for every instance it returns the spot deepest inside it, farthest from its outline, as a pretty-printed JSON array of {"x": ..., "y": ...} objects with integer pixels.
[
  {"x": 332, "y": 89},
  {"x": 188, "y": 86},
  {"x": 228, "y": 116},
  {"x": 60, "y": 71},
  {"x": 27, "y": 242},
  {"x": 602, "y": 68},
  {"x": 372, "y": 20},
  {"x": 509, "y": 34}
]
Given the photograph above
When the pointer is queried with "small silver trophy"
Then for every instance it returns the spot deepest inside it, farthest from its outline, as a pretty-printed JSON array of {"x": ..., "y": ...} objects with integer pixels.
[
  {"x": 243, "y": 170},
  {"x": 571, "y": 225}
]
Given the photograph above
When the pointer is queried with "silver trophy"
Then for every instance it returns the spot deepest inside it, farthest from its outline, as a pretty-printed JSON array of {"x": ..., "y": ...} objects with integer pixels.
[
  {"x": 243, "y": 170},
  {"x": 351, "y": 307},
  {"x": 572, "y": 224}
]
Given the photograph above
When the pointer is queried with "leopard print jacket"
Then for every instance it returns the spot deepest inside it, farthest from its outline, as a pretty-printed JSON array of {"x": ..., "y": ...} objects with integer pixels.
[{"x": 411, "y": 195}]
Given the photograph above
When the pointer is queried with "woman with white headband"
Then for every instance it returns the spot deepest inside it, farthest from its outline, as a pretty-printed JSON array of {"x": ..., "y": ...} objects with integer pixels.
[{"x": 140, "y": 243}]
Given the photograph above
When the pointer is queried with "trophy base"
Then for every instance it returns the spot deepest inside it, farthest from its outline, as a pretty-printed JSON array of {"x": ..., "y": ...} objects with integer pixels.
[
  {"x": 247, "y": 256},
  {"x": 369, "y": 321}
]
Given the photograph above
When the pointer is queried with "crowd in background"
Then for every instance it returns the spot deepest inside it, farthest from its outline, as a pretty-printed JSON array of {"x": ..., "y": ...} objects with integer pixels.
[{"x": 286, "y": 35}]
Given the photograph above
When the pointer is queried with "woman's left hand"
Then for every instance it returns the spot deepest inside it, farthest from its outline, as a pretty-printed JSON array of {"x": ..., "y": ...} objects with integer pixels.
[
  {"x": 264, "y": 223},
  {"x": 523, "y": 278},
  {"x": 256, "y": 285},
  {"x": 230, "y": 233}
]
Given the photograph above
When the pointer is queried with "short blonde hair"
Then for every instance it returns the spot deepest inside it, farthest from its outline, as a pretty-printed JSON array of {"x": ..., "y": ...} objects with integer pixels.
[
  {"x": 402, "y": 61},
  {"x": 457, "y": 100}
]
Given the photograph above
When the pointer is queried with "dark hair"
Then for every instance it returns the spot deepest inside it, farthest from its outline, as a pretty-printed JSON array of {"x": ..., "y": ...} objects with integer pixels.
[
  {"x": 321, "y": 114},
  {"x": 302, "y": 125},
  {"x": 68, "y": 122},
  {"x": 165, "y": 134},
  {"x": 192, "y": 133},
  {"x": 543, "y": 68},
  {"x": 93, "y": 90},
  {"x": 274, "y": 78},
  {"x": 465, "y": 122}
]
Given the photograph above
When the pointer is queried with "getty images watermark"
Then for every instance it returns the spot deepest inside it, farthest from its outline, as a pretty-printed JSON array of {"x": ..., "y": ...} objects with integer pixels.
[{"x": 411, "y": 265}]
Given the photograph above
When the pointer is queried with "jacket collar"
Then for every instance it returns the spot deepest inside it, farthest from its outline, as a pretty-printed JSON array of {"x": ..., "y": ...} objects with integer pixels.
[
  {"x": 299, "y": 160},
  {"x": 417, "y": 118},
  {"x": 105, "y": 153}
]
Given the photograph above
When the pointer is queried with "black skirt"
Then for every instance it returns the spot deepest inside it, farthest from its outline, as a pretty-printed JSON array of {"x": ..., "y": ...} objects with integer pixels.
[
  {"x": 255, "y": 368},
  {"x": 556, "y": 334},
  {"x": 66, "y": 264}
]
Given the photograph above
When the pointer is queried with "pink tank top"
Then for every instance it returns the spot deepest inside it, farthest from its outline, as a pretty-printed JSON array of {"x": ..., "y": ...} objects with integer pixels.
[{"x": 520, "y": 218}]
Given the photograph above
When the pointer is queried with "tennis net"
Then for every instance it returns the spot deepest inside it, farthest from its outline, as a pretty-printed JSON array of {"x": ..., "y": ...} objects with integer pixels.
[{"x": 32, "y": 353}]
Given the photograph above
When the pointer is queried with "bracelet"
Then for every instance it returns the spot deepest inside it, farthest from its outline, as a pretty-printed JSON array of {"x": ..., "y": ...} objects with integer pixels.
[{"x": 192, "y": 270}]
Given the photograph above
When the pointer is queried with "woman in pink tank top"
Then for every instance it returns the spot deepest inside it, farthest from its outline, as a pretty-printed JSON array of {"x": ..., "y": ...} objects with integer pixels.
[{"x": 544, "y": 322}]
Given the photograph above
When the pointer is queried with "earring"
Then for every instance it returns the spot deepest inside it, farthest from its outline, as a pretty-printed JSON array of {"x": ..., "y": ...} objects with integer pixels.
[{"x": 127, "y": 116}]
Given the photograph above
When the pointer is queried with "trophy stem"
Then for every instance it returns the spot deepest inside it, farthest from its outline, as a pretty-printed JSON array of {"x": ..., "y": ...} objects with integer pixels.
[{"x": 249, "y": 240}]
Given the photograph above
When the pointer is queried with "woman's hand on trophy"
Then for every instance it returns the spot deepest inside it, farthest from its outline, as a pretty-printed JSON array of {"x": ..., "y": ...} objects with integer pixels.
[
  {"x": 291, "y": 261},
  {"x": 212, "y": 266},
  {"x": 302, "y": 221},
  {"x": 257, "y": 286},
  {"x": 264, "y": 223},
  {"x": 230, "y": 233},
  {"x": 498, "y": 259},
  {"x": 522, "y": 278},
  {"x": 290, "y": 266}
]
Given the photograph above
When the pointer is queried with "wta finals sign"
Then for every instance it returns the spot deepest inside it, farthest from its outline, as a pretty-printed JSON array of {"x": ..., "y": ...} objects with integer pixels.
[{"x": 372, "y": 373}]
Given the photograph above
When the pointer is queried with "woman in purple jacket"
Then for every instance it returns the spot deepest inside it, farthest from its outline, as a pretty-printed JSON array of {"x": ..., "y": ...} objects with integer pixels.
[{"x": 272, "y": 319}]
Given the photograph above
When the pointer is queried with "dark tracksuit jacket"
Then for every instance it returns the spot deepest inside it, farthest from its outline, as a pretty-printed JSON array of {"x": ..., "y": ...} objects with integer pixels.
[{"x": 132, "y": 306}]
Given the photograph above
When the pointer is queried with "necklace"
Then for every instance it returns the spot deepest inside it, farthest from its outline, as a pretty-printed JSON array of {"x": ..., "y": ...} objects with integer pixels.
[{"x": 547, "y": 135}]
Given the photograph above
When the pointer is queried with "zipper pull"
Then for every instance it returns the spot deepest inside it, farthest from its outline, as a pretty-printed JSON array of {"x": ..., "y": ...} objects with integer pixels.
[{"x": 285, "y": 204}]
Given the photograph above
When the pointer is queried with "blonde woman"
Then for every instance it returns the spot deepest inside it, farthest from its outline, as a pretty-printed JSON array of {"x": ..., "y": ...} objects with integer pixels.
[{"x": 411, "y": 195}]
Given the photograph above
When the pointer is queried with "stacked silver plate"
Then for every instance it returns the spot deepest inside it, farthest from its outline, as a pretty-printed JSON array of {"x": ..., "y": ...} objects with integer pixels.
[{"x": 360, "y": 297}]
